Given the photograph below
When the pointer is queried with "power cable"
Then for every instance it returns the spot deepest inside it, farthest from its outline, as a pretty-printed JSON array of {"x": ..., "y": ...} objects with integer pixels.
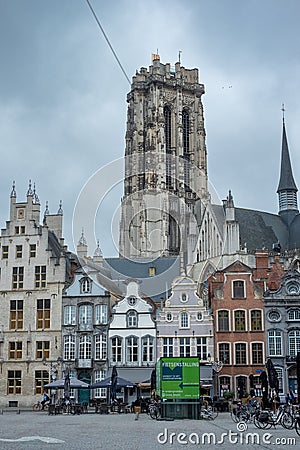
[{"x": 108, "y": 42}]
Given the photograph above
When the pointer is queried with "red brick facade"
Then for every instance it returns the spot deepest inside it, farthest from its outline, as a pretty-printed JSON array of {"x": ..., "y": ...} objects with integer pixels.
[{"x": 237, "y": 306}]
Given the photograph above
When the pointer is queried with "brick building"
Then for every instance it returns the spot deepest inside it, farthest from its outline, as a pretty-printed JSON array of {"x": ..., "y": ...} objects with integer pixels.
[{"x": 238, "y": 310}]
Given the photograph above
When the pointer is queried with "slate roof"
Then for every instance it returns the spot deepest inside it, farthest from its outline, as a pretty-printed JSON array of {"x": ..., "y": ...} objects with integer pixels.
[
  {"x": 166, "y": 269},
  {"x": 286, "y": 181},
  {"x": 260, "y": 229}
]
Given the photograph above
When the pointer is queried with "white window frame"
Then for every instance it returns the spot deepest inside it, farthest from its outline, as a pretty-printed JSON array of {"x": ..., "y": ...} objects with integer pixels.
[
  {"x": 232, "y": 289},
  {"x": 101, "y": 314},
  {"x": 100, "y": 346},
  {"x": 69, "y": 347},
  {"x": 184, "y": 323},
  {"x": 275, "y": 340},
  {"x": 70, "y": 315}
]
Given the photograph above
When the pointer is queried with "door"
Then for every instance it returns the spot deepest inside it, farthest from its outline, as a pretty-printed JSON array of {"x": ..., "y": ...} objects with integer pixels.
[{"x": 84, "y": 394}]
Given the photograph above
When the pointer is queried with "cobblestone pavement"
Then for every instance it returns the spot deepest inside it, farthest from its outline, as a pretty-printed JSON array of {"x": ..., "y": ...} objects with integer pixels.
[{"x": 39, "y": 431}]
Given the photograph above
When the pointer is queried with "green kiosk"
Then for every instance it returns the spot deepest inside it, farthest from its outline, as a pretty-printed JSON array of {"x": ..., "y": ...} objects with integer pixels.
[{"x": 178, "y": 385}]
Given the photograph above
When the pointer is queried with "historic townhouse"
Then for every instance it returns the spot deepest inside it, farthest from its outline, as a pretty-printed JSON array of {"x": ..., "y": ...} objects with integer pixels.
[
  {"x": 132, "y": 338},
  {"x": 238, "y": 310},
  {"x": 35, "y": 268},
  {"x": 282, "y": 322},
  {"x": 185, "y": 328},
  {"x": 86, "y": 314}
]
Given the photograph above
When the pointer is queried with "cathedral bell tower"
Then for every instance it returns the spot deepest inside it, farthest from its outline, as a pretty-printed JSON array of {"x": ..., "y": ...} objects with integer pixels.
[{"x": 165, "y": 161}]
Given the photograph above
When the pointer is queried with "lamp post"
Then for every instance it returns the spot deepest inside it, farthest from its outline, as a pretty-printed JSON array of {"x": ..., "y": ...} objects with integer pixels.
[
  {"x": 217, "y": 366},
  {"x": 53, "y": 369}
]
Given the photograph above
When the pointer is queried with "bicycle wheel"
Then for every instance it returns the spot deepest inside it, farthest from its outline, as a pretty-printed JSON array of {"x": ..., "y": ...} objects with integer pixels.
[
  {"x": 287, "y": 421},
  {"x": 212, "y": 412},
  {"x": 233, "y": 415},
  {"x": 154, "y": 413},
  {"x": 36, "y": 407},
  {"x": 297, "y": 425}
]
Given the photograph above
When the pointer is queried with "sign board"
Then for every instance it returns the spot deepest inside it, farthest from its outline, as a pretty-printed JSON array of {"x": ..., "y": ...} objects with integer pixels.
[{"x": 178, "y": 378}]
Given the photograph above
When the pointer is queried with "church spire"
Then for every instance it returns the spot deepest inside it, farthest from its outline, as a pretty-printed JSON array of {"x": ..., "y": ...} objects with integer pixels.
[{"x": 287, "y": 189}]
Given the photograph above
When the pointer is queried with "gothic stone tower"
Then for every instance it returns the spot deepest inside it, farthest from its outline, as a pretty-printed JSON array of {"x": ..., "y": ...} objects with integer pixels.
[{"x": 165, "y": 162}]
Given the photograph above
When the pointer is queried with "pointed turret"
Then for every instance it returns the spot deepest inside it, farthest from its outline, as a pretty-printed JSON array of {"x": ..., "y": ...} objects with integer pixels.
[
  {"x": 287, "y": 189},
  {"x": 82, "y": 246}
]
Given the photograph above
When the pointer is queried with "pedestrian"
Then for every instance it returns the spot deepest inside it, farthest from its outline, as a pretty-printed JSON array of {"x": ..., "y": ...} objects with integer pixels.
[{"x": 46, "y": 399}]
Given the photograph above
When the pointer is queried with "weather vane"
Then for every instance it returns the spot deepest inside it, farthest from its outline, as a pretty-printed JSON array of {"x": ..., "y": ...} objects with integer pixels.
[{"x": 282, "y": 109}]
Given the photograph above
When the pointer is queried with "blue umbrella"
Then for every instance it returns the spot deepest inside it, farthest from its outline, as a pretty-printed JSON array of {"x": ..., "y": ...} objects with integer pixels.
[
  {"x": 67, "y": 386},
  {"x": 114, "y": 381}
]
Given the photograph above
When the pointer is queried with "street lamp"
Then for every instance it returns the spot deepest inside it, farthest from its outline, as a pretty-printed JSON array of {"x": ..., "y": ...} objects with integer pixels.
[{"x": 53, "y": 369}]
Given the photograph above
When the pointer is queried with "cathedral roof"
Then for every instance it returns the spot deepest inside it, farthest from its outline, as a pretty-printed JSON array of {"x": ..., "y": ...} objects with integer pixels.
[{"x": 260, "y": 229}]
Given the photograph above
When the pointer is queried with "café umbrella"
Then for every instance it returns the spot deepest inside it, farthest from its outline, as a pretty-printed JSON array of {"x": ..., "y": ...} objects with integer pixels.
[
  {"x": 67, "y": 386},
  {"x": 272, "y": 376},
  {"x": 114, "y": 379},
  {"x": 74, "y": 384},
  {"x": 298, "y": 374},
  {"x": 106, "y": 383}
]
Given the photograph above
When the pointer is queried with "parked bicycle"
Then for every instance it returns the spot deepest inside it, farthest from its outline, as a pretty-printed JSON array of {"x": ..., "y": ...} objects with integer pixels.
[
  {"x": 267, "y": 418},
  {"x": 39, "y": 407},
  {"x": 154, "y": 410},
  {"x": 208, "y": 412}
]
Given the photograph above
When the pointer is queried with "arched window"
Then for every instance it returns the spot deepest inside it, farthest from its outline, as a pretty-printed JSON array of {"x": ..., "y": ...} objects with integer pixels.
[
  {"x": 116, "y": 349},
  {"x": 167, "y": 116},
  {"x": 131, "y": 349},
  {"x": 85, "y": 314},
  {"x": 275, "y": 342},
  {"x": 85, "y": 285},
  {"x": 256, "y": 320},
  {"x": 186, "y": 148},
  {"x": 225, "y": 385},
  {"x": 147, "y": 349},
  {"x": 85, "y": 347},
  {"x": 69, "y": 347},
  {"x": 241, "y": 353},
  {"x": 224, "y": 352},
  {"x": 294, "y": 314},
  {"x": 294, "y": 342},
  {"x": 186, "y": 134},
  {"x": 240, "y": 320},
  {"x": 168, "y": 137},
  {"x": 101, "y": 314},
  {"x": 223, "y": 320},
  {"x": 100, "y": 346},
  {"x": 70, "y": 315},
  {"x": 238, "y": 289},
  {"x": 132, "y": 319}
]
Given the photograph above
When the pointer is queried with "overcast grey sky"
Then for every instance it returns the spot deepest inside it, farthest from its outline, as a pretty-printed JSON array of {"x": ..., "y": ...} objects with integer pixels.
[{"x": 63, "y": 96}]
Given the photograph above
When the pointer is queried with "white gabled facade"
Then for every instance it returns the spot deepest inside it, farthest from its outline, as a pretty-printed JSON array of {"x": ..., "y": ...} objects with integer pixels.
[{"x": 132, "y": 336}]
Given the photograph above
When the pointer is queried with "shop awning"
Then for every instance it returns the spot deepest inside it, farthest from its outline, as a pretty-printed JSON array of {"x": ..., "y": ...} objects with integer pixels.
[{"x": 138, "y": 375}]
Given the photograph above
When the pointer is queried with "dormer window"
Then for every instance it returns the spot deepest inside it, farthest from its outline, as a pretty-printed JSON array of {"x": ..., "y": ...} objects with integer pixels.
[
  {"x": 238, "y": 289},
  {"x": 85, "y": 286}
]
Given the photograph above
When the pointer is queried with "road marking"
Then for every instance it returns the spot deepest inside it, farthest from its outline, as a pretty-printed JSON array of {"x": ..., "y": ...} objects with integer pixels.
[{"x": 48, "y": 440}]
